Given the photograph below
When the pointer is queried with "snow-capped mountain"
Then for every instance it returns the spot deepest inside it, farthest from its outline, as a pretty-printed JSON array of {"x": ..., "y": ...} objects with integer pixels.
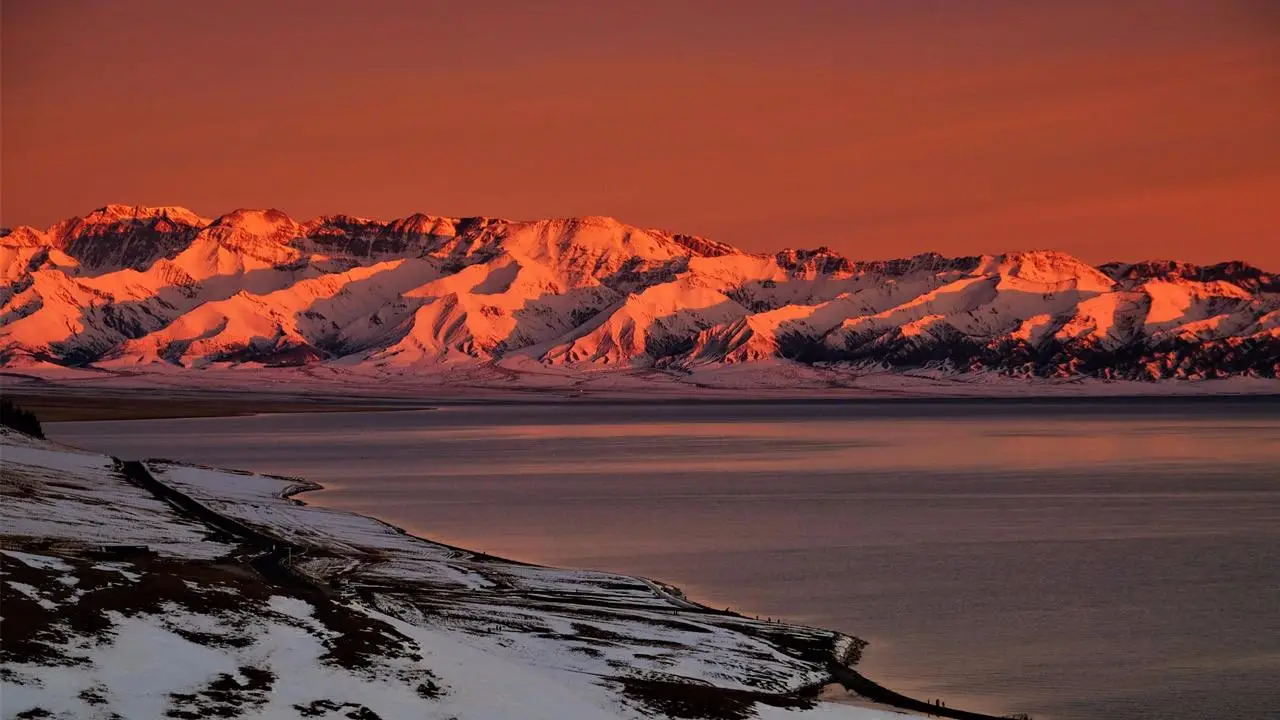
[{"x": 140, "y": 287}]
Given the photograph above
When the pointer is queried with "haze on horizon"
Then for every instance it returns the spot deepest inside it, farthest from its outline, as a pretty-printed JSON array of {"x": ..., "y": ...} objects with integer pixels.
[{"x": 1147, "y": 129}]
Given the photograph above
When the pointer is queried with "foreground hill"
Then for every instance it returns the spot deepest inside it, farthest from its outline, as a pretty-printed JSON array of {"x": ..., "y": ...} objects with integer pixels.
[
  {"x": 149, "y": 590},
  {"x": 139, "y": 289}
]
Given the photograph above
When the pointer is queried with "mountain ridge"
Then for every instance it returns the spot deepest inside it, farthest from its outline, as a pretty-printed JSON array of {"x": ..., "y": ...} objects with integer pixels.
[{"x": 136, "y": 287}]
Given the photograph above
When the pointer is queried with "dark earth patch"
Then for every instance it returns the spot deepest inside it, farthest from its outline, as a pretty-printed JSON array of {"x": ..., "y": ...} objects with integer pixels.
[{"x": 702, "y": 702}]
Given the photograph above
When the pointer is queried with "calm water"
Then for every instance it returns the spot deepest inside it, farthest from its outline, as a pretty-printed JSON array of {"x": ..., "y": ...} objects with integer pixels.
[{"x": 1073, "y": 561}]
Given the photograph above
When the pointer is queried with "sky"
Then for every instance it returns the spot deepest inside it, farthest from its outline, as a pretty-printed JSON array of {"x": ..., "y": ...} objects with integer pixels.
[{"x": 1114, "y": 131}]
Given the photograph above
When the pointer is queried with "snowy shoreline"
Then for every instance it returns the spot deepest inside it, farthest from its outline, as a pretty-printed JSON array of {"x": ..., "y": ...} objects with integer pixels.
[
  {"x": 106, "y": 559},
  {"x": 846, "y": 652}
]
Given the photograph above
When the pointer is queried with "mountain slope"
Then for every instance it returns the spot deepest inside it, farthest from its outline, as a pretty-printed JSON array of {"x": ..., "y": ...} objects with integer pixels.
[{"x": 139, "y": 288}]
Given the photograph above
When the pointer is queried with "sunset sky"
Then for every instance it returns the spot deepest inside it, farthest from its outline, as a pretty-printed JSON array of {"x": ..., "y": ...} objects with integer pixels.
[{"x": 1112, "y": 130}]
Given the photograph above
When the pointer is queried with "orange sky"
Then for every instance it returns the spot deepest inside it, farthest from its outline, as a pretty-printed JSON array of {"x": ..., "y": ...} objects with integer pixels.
[{"x": 1113, "y": 130}]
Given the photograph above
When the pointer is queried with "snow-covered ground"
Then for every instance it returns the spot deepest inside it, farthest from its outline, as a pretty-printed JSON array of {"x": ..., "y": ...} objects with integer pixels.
[{"x": 167, "y": 590}]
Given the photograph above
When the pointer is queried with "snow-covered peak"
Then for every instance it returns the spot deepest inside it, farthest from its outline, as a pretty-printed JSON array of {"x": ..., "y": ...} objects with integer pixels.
[
  {"x": 263, "y": 223},
  {"x": 822, "y": 260},
  {"x": 24, "y": 236},
  {"x": 116, "y": 212},
  {"x": 1236, "y": 272},
  {"x": 1048, "y": 268},
  {"x": 421, "y": 224}
]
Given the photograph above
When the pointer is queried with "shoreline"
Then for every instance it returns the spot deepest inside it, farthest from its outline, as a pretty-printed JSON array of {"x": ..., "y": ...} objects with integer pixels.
[
  {"x": 304, "y": 387},
  {"x": 273, "y": 557},
  {"x": 103, "y": 405},
  {"x": 77, "y": 403},
  {"x": 840, "y": 665}
]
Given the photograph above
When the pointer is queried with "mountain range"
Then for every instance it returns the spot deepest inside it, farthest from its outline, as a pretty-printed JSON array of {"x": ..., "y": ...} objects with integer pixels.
[{"x": 161, "y": 287}]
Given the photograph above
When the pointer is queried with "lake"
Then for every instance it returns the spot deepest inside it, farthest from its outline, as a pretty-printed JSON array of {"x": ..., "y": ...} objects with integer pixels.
[{"x": 1073, "y": 560}]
